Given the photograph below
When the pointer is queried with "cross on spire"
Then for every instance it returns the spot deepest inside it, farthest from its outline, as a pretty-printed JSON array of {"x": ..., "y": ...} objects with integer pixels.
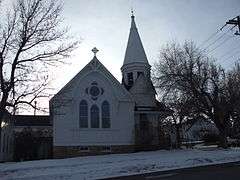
[
  {"x": 132, "y": 12},
  {"x": 95, "y": 50}
]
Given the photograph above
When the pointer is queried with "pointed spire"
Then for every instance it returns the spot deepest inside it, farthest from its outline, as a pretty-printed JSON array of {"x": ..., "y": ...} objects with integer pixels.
[
  {"x": 135, "y": 51},
  {"x": 133, "y": 24}
]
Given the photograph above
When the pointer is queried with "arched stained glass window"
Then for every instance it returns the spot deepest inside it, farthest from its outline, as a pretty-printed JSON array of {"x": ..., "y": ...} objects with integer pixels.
[
  {"x": 94, "y": 116},
  {"x": 106, "y": 115},
  {"x": 83, "y": 114}
]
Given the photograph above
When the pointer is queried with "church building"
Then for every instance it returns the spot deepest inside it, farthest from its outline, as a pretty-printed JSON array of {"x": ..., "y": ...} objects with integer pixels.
[{"x": 96, "y": 114}]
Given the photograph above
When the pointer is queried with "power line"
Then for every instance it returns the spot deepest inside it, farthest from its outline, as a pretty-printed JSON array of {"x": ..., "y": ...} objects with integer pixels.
[
  {"x": 236, "y": 22},
  {"x": 220, "y": 37},
  {"x": 236, "y": 59},
  {"x": 230, "y": 53},
  {"x": 210, "y": 37},
  {"x": 223, "y": 42},
  {"x": 235, "y": 56},
  {"x": 227, "y": 53}
]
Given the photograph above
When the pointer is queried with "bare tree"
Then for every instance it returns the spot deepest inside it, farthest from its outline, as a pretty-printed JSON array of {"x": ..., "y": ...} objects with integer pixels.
[
  {"x": 232, "y": 86},
  {"x": 187, "y": 69},
  {"x": 32, "y": 38},
  {"x": 183, "y": 110}
]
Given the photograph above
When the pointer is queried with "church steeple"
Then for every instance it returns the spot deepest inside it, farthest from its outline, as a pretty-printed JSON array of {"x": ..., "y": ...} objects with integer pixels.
[
  {"x": 135, "y": 60},
  {"x": 135, "y": 51}
]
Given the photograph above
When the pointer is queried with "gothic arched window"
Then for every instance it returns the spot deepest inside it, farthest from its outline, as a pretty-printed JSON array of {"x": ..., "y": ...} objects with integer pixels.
[
  {"x": 105, "y": 115},
  {"x": 94, "y": 116},
  {"x": 83, "y": 114}
]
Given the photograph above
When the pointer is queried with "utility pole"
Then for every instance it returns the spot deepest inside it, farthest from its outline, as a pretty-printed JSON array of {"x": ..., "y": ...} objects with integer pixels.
[
  {"x": 35, "y": 108},
  {"x": 236, "y": 22}
]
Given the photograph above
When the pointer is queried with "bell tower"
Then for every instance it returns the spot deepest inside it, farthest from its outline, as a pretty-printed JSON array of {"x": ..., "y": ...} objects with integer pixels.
[{"x": 135, "y": 60}]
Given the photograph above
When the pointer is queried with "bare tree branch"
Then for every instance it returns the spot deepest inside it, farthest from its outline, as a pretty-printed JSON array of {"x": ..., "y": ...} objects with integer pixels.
[
  {"x": 31, "y": 38},
  {"x": 187, "y": 70}
]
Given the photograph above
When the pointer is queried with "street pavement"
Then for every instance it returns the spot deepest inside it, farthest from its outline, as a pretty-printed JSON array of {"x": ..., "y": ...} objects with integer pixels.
[{"x": 227, "y": 171}]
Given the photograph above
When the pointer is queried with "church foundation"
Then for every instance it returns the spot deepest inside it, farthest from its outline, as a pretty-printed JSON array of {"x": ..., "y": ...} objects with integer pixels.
[{"x": 74, "y": 151}]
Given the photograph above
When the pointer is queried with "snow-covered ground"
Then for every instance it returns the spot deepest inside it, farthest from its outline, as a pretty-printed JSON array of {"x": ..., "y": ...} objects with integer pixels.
[{"x": 97, "y": 167}]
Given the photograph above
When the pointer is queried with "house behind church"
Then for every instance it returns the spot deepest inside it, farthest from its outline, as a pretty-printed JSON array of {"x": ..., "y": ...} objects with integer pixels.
[
  {"x": 26, "y": 137},
  {"x": 6, "y": 148},
  {"x": 32, "y": 137},
  {"x": 198, "y": 129}
]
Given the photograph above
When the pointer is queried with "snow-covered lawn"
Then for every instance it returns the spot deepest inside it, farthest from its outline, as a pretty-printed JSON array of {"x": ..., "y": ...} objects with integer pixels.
[{"x": 96, "y": 167}]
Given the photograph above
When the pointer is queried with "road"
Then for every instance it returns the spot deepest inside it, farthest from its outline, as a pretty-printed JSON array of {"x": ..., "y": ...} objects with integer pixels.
[{"x": 228, "y": 171}]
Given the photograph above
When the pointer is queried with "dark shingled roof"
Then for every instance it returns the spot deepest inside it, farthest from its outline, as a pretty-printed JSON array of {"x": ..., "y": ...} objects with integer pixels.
[
  {"x": 159, "y": 107},
  {"x": 31, "y": 120}
]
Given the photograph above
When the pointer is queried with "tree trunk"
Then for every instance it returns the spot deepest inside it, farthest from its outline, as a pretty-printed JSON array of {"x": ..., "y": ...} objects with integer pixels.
[
  {"x": 0, "y": 135},
  {"x": 1, "y": 118},
  {"x": 220, "y": 120},
  {"x": 178, "y": 138},
  {"x": 223, "y": 139},
  {"x": 2, "y": 111}
]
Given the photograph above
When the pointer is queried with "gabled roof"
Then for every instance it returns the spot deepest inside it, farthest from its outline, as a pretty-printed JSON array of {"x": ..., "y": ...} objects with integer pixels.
[
  {"x": 143, "y": 85},
  {"x": 135, "y": 51},
  {"x": 93, "y": 66},
  {"x": 31, "y": 120}
]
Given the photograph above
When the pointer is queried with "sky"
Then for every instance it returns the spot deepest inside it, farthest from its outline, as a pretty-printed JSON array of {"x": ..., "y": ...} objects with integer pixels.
[{"x": 105, "y": 24}]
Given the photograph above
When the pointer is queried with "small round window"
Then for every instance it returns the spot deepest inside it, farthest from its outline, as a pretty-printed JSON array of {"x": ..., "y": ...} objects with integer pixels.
[{"x": 94, "y": 91}]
